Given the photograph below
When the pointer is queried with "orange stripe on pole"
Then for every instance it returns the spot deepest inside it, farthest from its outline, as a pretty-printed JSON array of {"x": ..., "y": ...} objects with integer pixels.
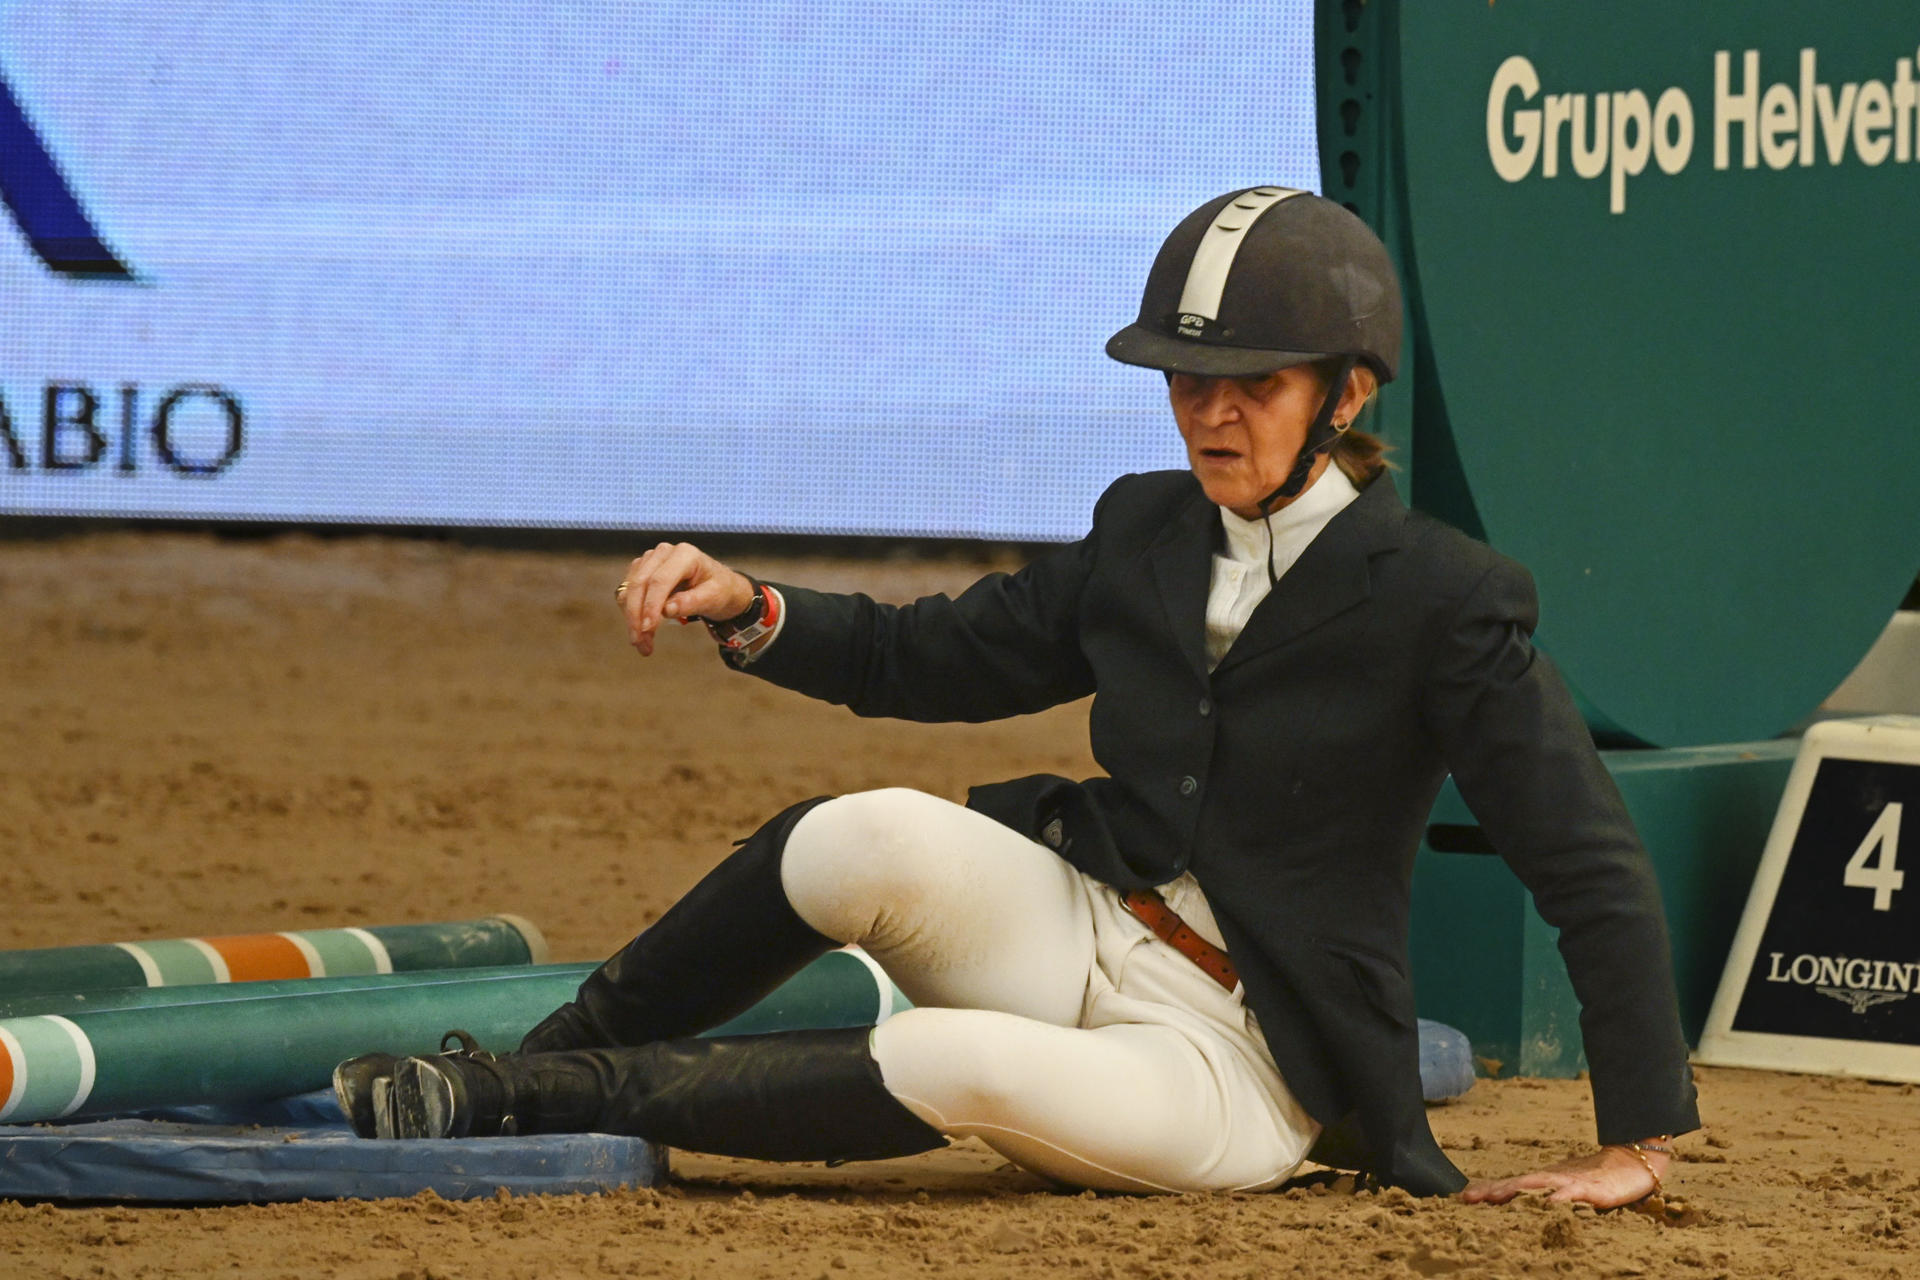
[{"x": 256, "y": 957}]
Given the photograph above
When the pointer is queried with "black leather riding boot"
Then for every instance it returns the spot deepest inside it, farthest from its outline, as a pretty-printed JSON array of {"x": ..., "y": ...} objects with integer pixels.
[
  {"x": 794, "y": 1095},
  {"x": 732, "y": 939}
]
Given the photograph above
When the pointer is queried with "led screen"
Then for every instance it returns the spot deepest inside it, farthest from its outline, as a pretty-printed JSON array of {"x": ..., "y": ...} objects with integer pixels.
[{"x": 814, "y": 268}]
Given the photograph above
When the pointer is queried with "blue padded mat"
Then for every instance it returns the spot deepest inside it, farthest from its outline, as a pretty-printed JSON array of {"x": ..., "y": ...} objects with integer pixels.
[
  {"x": 1446, "y": 1061},
  {"x": 298, "y": 1149}
]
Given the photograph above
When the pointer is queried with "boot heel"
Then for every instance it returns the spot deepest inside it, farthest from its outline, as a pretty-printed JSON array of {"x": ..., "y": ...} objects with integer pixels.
[
  {"x": 420, "y": 1101},
  {"x": 363, "y": 1085},
  {"x": 380, "y": 1106},
  {"x": 354, "y": 1084}
]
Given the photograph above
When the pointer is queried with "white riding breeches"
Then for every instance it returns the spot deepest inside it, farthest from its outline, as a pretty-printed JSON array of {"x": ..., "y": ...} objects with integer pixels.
[{"x": 1048, "y": 1021}]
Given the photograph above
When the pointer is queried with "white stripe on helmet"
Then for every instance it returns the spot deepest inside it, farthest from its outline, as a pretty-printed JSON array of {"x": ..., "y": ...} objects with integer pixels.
[{"x": 1207, "y": 274}]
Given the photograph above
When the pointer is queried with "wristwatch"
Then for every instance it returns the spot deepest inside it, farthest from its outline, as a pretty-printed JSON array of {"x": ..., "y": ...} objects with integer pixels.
[{"x": 758, "y": 619}]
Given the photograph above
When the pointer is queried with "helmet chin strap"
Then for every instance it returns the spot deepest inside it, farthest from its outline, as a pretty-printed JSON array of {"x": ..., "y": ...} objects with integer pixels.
[{"x": 1321, "y": 436}]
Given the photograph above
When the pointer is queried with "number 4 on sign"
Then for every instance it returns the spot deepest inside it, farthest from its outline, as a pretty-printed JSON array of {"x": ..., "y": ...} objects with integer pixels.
[{"x": 1883, "y": 877}]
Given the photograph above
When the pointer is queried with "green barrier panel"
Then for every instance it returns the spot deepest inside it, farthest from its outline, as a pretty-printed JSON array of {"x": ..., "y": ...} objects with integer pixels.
[
  {"x": 305, "y": 953},
  {"x": 273, "y": 1039},
  {"x": 1485, "y": 962},
  {"x": 1663, "y": 259}
]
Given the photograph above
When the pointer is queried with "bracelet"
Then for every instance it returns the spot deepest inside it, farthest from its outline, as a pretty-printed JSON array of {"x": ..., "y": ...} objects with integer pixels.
[{"x": 1638, "y": 1150}]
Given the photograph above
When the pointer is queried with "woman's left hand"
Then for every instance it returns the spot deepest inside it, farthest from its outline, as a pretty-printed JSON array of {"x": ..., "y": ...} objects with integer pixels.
[{"x": 1605, "y": 1179}]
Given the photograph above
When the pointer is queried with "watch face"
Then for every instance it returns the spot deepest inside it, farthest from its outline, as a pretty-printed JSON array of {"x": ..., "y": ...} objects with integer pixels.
[
  {"x": 756, "y": 610},
  {"x": 746, "y": 626}
]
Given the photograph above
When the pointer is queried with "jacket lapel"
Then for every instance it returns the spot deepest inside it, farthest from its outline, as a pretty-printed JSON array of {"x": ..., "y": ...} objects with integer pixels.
[
  {"x": 1330, "y": 577},
  {"x": 1182, "y": 560}
]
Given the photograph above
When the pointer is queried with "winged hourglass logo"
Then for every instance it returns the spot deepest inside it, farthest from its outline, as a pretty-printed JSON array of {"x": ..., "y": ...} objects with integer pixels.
[{"x": 1861, "y": 1001}]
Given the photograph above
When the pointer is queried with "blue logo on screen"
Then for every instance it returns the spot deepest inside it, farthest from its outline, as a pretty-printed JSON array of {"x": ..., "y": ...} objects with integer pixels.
[{"x": 44, "y": 206}]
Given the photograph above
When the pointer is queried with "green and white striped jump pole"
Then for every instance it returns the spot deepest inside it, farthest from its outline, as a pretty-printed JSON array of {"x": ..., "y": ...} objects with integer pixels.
[
  {"x": 268, "y": 1040},
  {"x": 68, "y": 1003},
  {"x": 256, "y": 957}
]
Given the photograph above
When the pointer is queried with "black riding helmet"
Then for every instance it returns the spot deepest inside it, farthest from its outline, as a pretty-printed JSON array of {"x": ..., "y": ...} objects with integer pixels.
[{"x": 1262, "y": 279}]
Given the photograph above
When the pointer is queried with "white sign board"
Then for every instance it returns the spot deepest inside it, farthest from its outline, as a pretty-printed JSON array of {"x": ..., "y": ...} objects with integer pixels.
[
  {"x": 682, "y": 265},
  {"x": 1824, "y": 975}
]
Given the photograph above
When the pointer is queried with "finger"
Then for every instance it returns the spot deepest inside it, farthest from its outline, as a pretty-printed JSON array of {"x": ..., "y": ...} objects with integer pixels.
[
  {"x": 659, "y": 574},
  {"x": 627, "y": 598},
  {"x": 684, "y": 568},
  {"x": 1504, "y": 1189},
  {"x": 644, "y": 589},
  {"x": 665, "y": 574},
  {"x": 1490, "y": 1192}
]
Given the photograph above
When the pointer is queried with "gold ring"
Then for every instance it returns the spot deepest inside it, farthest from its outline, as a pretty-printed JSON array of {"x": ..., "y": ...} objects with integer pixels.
[{"x": 620, "y": 592}]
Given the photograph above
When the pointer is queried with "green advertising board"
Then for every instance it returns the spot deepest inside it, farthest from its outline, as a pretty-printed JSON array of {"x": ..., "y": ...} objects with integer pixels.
[{"x": 1666, "y": 261}]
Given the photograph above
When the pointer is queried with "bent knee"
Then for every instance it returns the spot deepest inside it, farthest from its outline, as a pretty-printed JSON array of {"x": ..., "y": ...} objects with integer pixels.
[
  {"x": 858, "y": 856},
  {"x": 868, "y": 817}
]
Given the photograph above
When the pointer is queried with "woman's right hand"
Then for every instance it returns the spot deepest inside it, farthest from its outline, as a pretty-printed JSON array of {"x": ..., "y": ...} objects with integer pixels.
[{"x": 678, "y": 580}]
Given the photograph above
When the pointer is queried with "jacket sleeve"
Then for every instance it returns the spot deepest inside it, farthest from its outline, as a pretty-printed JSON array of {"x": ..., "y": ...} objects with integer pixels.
[
  {"x": 1525, "y": 763},
  {"x": 1008, "y": 645}
]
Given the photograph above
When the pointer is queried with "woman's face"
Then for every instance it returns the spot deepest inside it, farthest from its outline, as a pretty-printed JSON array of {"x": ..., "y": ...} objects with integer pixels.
[{"x": 1243, "y": 434}]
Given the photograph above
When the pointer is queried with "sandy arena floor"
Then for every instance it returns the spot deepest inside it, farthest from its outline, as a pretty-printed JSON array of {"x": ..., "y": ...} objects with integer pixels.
[{"x": 215, "y": 736}]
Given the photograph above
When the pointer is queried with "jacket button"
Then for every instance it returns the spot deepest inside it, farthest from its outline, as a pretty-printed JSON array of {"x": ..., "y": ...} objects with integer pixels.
[
  {"x": 1206, "y": 706},
  {"x": 1188, "y": 786}
]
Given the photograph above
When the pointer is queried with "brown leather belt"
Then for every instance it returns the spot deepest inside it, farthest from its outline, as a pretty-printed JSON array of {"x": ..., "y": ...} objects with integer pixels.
[{"x": 1152, "y": 910}]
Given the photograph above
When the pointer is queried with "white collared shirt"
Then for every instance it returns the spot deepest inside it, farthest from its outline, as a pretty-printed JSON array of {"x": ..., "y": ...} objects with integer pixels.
[{"x": 1240, "y": 572}]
